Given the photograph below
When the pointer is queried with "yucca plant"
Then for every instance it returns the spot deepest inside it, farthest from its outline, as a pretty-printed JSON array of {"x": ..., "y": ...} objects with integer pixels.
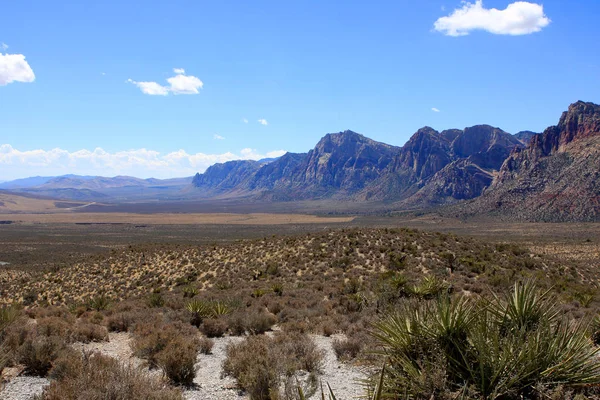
[
  {"x": 99, "y": 303},
  {"x": 199, "y": 310},
  {"x": 218, "y": 308},
  {"x": 525, "y": 308},
  {"x": 429, "y": 288},
  {"x": 190, "y": 291},
  {"x": 507, "y": 348},
  {"x": 8, "y": 315}
]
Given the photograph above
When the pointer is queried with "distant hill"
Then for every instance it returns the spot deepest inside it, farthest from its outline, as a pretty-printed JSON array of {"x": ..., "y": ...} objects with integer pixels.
[
  {"x": 431, "y": 168},
  {"x": 479, "y": 170},
  {"x": 97, "y": 188}
]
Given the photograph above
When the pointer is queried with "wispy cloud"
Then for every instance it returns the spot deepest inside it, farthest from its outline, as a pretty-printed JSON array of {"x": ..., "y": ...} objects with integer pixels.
[
  {"x": 244, "y": 120},
  {"x": 218, "y": 137},
  {"x": 150, "y": 88},
  {"x": 263, "y": 121},
  {"x": 142, "y": 163},
  {"x": 519, "y": 18},
  {"x": 435, "y": 109},
  {"x": 14, "y": 68},
  {"x": 178, "y": 84}
]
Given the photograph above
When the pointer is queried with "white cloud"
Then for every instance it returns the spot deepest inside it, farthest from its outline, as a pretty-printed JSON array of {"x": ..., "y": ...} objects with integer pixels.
[
  {"x": 14, "y": 68},
  {"x": 244, "y": 120},
  {"x": 435, "y": 109},
  {"x": 216, "y": 136},
  {"x": 4, "y": 46},
  {"x": 519, "y": 18},
  {"x": 263, "y": 121},
  {"x": 151, "y": 88},
  {"x": 142, "y": 163},
  {"x": 178, "y": 84},
  {"x": 184, "y": 84}
]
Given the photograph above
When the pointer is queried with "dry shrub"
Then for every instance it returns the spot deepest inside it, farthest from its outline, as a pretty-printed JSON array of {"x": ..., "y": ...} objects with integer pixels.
[
  {"x": 328, "y": 328},
  {"x": 177, "y": 360},
  {"x": 206, "y": 345},
  {"x": 254, "y": 365},
  {"x": 346, "y": 349},
  {"x": 259, "y": 363},
  {"x": 298, "y": 352},
  {"x": 172, "y": 347},
  {"x": 86, "y": 332},
  {"x": 213, "y": 327},
  {"x": 54, "y": 326},
  {"x": 260, "y": 321},
  {"x": 237, "y": 323},
  {"x": 94, "y": 376},
  {"x": 121, "y": 321},
  {"x": 150, "y": 338},
  {"x": 38, "y": 353}
]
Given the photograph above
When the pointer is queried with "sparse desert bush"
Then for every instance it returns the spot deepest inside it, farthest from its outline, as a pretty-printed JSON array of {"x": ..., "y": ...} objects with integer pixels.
[
  {"x": 254, "y": 365},
  {"x": 346, "y": 349},
  {"x": 94, "y": 376},
  {"x": 38, "y": 353},
  {"x": 259, "y": 321},
  {"x": 205, "y": 345},
  {"x": 150, "y": 338},
  {"x": 55, "y": 326},
  {"x": 86, "y": 332},
  {"x": 213, "y": 327},
  {"x": 260, "y": 363},
  {"x": 121, "y": 321},
  {"x": 177, "y": 360}
]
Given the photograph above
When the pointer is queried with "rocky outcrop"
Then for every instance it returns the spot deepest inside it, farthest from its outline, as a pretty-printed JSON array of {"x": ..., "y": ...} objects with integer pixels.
[
  {"x": 443, "y": 167},
  {"x": 555, "y": 178},
  {"x": 525, "y": 136}
]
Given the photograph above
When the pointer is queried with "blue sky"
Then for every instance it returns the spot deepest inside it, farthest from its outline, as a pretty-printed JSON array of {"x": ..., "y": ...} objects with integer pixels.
[{"x": 304, "y": 67}]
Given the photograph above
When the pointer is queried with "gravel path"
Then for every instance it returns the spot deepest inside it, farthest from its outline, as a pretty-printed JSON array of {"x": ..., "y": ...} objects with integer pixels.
[
  {"x": 343, "y": 378},
  {"x": 210, "y": 386},
  {"x": 23, "y": 388}
]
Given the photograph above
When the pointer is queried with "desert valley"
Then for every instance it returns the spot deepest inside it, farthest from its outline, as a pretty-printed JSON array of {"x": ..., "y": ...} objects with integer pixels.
[
  {"x": 300, "y": 200},
  {"x": 460, "y": 252}
]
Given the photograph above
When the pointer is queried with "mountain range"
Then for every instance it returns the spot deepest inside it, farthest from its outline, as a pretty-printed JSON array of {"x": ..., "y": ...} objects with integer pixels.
[{"x": 550, "y": 176}]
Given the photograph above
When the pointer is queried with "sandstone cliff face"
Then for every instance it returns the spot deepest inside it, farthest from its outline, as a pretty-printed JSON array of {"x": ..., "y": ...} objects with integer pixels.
[
  {"x": 223, "y": 177},
  {"x": 438, "y": 168},
  {"x": 345, "y": 160},
  {"x": 556, "y": 178}
]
